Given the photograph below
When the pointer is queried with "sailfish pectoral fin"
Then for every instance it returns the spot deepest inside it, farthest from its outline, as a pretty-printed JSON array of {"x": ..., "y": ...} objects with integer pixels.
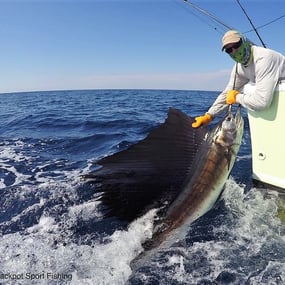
[
  {"x": 153, "y": 169},
  {"x": 229, "y": 157}
]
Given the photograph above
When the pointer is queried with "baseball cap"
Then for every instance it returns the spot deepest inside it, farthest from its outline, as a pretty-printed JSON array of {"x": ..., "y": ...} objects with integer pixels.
[{"x": 230, "y": 37}]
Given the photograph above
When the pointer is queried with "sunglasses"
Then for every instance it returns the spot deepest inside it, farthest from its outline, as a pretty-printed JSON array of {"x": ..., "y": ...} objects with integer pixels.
[{"x": 234, "y": 46}]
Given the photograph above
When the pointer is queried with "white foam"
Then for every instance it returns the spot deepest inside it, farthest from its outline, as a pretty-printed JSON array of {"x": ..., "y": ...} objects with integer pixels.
[
  {"x": 85, "y": 211},
  {"x": 13, "y": 152},
  {"x": 45, "y": 225},
  {"x": 89, "y": 264},
  {"x": 179, "y": 269}
]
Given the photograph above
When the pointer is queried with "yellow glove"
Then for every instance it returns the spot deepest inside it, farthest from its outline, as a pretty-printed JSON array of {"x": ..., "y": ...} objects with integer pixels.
[
  {"x": 231, "y": 97},
  {"x": 202, "y": 120}
]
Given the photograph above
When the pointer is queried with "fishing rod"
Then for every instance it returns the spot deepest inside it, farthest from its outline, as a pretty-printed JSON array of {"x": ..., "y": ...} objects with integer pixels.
[
  {"x": 206, "y": 13},
  {"x": 255, "y": 30},
  {"x": 217, "y": 20}
]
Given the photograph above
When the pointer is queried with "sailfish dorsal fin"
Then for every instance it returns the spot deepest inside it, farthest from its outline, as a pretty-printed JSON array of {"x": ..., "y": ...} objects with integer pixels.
[{"x": 150, "y": 171}]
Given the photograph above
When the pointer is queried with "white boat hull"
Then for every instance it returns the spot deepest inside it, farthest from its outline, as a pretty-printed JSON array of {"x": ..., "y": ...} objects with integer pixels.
[{"x": 267, "y": 139}]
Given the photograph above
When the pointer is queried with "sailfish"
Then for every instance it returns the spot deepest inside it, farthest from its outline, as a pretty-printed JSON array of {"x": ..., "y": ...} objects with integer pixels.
[{"x": 176, "y": 168}]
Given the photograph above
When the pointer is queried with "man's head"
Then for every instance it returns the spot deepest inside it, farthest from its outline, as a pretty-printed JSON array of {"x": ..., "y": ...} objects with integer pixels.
[
  {"x": 231, "y": 38},
  {"x": 237, "y": 46}
]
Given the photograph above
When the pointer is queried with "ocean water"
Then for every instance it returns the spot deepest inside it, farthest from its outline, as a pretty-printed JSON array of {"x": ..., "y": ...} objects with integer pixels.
[{"x": 51, "y": 224}]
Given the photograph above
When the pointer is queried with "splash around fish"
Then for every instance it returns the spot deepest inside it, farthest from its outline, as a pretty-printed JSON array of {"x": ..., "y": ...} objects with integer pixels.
[{"x": 177, "y": 169}]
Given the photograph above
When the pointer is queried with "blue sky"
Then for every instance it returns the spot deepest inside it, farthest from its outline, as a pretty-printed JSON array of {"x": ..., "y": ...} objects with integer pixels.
[{"x": 107, "y": 44}]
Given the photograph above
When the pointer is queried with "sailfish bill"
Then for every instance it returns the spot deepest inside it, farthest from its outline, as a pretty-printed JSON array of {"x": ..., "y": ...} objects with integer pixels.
[{"x": 175, "y": 165}]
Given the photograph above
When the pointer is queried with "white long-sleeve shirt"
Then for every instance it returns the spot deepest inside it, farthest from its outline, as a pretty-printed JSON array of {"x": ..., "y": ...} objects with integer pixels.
[{"x": 265, "y": 70}]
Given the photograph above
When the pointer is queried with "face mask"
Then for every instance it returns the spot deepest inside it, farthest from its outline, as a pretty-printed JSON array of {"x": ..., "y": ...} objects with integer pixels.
[{"x": 244, "y": 54}]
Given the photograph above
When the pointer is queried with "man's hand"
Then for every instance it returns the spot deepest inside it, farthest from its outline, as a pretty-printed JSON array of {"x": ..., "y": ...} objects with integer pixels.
[
  {"x": 202, "y": 120},
  {"x": 231, "y": 97}
]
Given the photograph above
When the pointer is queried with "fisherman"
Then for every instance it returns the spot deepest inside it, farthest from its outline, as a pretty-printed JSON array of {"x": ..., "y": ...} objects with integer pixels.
[{"x": 262, "y": 66}]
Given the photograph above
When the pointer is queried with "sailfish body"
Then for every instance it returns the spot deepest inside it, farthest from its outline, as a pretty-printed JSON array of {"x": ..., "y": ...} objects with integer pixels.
[
  {"x": 185, "y": 167},
  {"x": 211, "y": 168}
]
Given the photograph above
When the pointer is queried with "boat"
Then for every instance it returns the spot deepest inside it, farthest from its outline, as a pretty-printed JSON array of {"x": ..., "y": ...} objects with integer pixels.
[{"x": 266, "y": 133}]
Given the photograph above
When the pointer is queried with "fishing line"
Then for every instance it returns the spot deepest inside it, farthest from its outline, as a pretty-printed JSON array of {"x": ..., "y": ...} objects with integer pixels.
[
  {"x": 254, "y": 28},
  {"x": 219, "y": 26},
  {"x": 266, "y": 24},
  {"x": 208, "y": 14},
  {"x": 196, "y": 15}
]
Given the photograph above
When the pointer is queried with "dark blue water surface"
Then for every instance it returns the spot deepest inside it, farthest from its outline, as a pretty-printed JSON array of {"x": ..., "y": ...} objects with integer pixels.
[{"x": 51, "y": 224}]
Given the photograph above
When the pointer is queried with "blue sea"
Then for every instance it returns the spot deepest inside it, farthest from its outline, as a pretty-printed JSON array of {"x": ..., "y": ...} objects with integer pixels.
[{"x": 51, "y": 224}]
